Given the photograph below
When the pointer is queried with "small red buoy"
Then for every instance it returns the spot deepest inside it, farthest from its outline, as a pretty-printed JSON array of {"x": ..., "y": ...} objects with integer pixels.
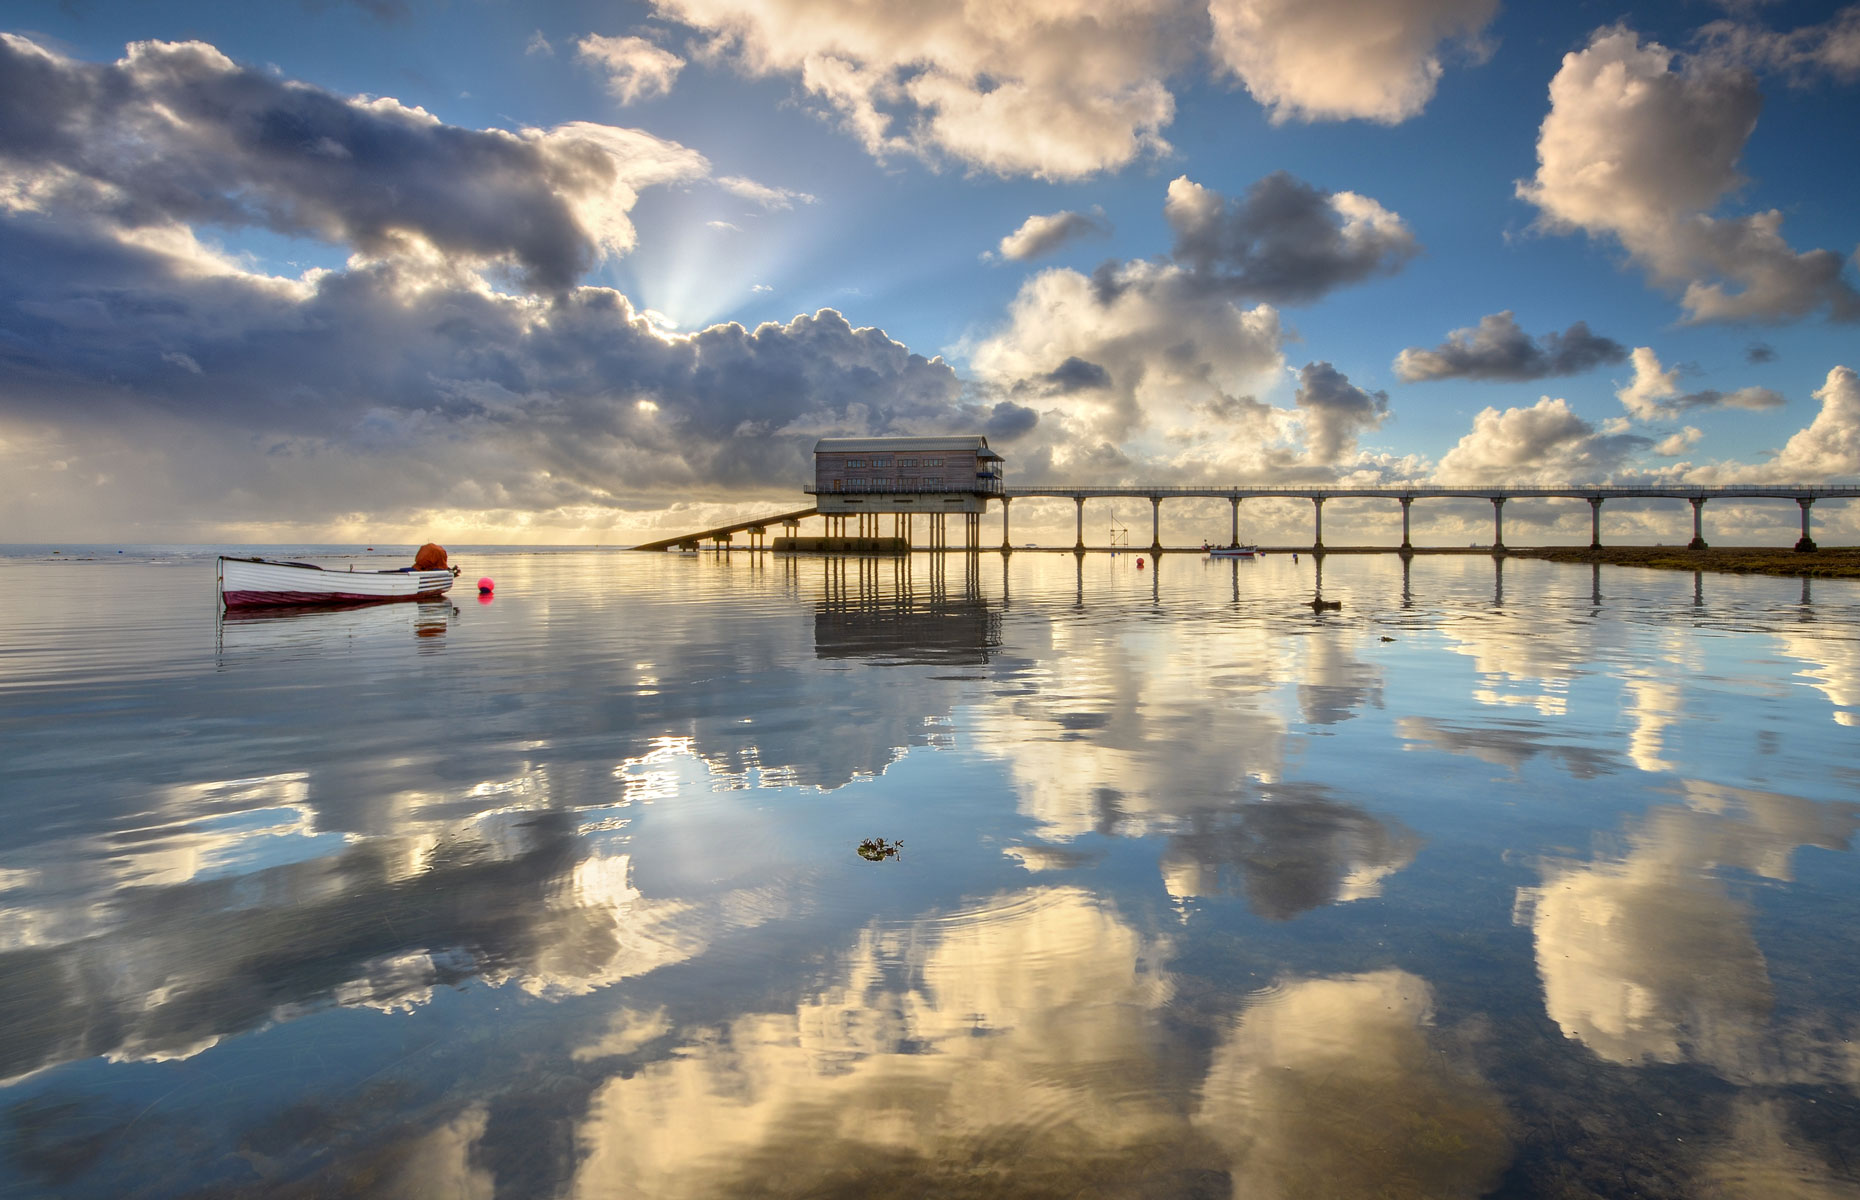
[
  {"x": 486, "y": 587},
  {"x": 1139, "y": 564}
]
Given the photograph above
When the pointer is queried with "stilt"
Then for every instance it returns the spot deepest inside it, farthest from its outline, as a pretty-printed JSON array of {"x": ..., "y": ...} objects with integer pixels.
[
  {"x": 1807, "y": 544},
  {"x": 1595, "y": 522},
  {"x": 1698, "y": 525}
]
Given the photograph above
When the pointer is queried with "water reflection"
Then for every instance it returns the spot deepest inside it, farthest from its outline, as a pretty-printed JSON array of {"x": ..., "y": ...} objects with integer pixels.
[
  {"x": 1334, "y": 1087},
  {"x": 1648, "y": 956},
  {"x": 1020, "y": 1035},
  {"x": 571, "y": 907},
  {"x": 891, "y": 617},
  {"x": 1292, "y": 851}
]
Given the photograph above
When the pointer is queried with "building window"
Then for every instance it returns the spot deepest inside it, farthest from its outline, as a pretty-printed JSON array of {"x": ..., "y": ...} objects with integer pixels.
[{"x": 855, "y": 462}]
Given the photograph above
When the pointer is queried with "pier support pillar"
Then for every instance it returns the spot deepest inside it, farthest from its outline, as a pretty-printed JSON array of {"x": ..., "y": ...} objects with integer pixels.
[
  {"x": 1407, "y": 502},
  {"x": 1079, "y": 546},
  {"x": 1498, "y": 524},
  {"x": 1317, "y": 535},
  {"x": 1806, "y": 544},
  {"x": 1233, "y": 538},
  {"x": 1006, "y": 546},
  {"x": 1595, "y": 522},
  {"x": 1698, "y": 524},
  {"x": 1155, "y": 524}
]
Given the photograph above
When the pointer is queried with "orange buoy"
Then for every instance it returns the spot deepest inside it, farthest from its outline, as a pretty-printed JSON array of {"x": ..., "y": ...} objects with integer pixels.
[{"x": 1139, "y": 564}]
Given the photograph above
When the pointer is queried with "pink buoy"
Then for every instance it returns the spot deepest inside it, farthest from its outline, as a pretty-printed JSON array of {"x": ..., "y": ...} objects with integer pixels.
[{"x": 486, "y": 587}]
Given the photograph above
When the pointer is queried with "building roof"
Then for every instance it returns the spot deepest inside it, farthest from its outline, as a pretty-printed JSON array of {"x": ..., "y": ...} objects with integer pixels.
[{"x": 901, "y": 445}]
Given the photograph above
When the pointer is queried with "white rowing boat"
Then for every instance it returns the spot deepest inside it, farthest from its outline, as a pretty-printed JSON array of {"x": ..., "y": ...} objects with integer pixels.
[
  {"x": 1232, "y": 551},
  {"x": 268, "y": 582}
]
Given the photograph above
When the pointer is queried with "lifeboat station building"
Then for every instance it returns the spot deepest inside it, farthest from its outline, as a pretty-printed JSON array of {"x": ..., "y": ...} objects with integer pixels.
[{"x": 858, "y": 480}]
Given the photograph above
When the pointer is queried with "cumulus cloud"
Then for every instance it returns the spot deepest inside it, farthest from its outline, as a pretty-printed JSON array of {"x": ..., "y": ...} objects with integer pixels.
[
  {"x": 1285, "y": 241},
  {"x": 1830, "y": 446},
  {"x": 1636, "y": 150},
  {"x": 176, "y": 134},
  {"x": 1043, "y": 234},
  {"x": 1546, "y": 441},
  {"x": 1315, "y": 60},
  {"x": 762, "y": 194},
  {"x": 636, "y": 69},
  {"x": 1654, "y": 392},
  {"x": 1336, "y": 411},
  {"x": 1057, "y": 91},
  {"x": 1141, "y": 361},
  {"x": 1679, "y": 443},
  {"x": 1141, "y": 353},
  {"x": 1498, "y": 349}
]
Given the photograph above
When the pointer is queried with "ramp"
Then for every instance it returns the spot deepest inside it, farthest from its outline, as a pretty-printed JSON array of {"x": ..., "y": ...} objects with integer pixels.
[{"x": 706, "y": 535}]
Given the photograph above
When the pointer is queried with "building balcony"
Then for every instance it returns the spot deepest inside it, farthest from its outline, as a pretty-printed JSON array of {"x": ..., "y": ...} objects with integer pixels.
[{"x": 988, "y": 485}]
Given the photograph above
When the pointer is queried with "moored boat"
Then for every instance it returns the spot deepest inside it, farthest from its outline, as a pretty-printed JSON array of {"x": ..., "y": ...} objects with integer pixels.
[
  {"x": 1233, "y": 551},
  {"x": 269, "y": 582}
]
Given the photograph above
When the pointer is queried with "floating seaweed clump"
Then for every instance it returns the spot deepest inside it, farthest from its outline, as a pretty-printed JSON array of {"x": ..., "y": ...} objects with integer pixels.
[{"x": 878, "y": 849}]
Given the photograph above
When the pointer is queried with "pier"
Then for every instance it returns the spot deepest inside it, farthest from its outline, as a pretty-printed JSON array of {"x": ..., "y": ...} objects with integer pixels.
[
  {"x": 866, "y": 530},
  {"x": 860, "y": 481}
]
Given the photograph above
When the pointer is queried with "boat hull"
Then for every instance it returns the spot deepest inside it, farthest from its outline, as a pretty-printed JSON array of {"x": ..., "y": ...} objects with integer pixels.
[
  {"x": 270, "y": 583},
  {"x": 1242, "y": 552}
]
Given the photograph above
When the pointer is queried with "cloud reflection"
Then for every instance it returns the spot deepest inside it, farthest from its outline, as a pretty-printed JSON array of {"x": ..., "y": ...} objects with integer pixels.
[
  {"x": 1021, "y": 1048},
  {"x": 1333, "y": 1087},
  {"x": 1647, "y": 956}
]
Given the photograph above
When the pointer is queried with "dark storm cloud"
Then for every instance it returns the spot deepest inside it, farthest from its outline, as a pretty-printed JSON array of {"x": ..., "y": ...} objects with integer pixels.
[
  {"x": 1008, "y": 421},
  {"x": 176, "y": 133},
  {"x": 1285, "y": 241},
  {"x": 1336, "y": 411},
  {"x": 1077, "y": 375},
  {"x": 1498, "y": 349},
  {"x": 476, "y": 399}
]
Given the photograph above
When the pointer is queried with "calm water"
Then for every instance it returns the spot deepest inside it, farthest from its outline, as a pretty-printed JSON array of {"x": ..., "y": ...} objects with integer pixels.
[{"x": 1524, "y": 884}]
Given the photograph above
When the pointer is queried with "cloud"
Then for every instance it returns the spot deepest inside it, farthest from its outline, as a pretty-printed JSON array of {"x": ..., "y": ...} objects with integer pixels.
[
  {"x": 1546, "y": 441},
  {"x": 1042, "y": 235},
  {"x": 1830, "y": 447},
  {"x": 176, "y": 134},
  {"x": 1314, "y": 60},
  {"x": 1760, "y": 352},
  {"x": 1679, "y": 443},
  {"x": 1056, "y": 91},
  {"x": 636, "y": 69},
  {"x": 1007, "y": 421},
  {"x": 1638, "y": 151},
  {"x": 1285, "y": 241},
  {"x": 1828, "y": 50},
  {"x": 406, "y": 392},
  {"x": 762, "y": 194},
  {"x": 539, "y": 46},
  {"x": 1498, "y": 349},
  {"x": 1142, "y": 352},
  {"x": 1139, "y": 362},
  {"x": 1654, "y": 393},
  {"x": 1075, "y": 374},
  {"x": 1336, "y": 411}
]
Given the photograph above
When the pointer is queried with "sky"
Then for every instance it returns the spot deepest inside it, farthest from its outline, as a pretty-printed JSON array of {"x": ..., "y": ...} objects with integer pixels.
[{"x": 587, "y": 273}]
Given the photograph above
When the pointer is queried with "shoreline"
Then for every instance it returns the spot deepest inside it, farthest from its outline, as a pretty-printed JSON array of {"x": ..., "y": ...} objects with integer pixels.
[{"x": 1837, "y": 562}]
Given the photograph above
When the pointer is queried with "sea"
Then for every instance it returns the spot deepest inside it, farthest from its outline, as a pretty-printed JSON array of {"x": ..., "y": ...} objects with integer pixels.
[{"x": 694, "y": 875}]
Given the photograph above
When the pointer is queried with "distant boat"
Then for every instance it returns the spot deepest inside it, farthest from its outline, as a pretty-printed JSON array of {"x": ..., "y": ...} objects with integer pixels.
[
  {"x": 268, "y": 582},
  {"x": 1232, "y": 551}
]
